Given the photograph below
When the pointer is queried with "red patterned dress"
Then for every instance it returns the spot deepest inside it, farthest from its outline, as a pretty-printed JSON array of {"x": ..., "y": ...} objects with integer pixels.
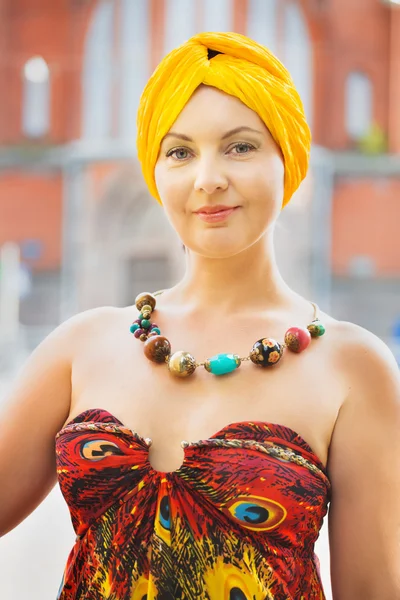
[{"x": 237, "y": 521}]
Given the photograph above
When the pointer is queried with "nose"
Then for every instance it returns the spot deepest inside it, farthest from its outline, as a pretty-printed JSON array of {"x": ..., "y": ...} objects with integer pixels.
[{"x": 210, "y": 177}]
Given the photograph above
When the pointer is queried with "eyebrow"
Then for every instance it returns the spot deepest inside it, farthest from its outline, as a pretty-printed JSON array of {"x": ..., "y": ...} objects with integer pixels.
[{"x": 226, "y": 135}]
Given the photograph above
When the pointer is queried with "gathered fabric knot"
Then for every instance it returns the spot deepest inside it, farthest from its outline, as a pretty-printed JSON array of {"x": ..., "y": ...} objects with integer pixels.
[{"x": 212, "y": 53}]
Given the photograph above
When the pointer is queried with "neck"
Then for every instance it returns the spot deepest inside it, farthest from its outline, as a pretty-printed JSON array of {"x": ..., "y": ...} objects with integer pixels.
[{"x": 249, "y": 282}]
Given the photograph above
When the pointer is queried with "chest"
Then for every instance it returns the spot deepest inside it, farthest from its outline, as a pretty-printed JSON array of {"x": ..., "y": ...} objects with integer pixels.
[{"x": 302, "y": 391}]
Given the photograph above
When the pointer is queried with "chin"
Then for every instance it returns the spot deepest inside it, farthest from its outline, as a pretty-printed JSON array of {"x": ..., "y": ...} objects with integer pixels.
[{"x": 220, "y": 249}]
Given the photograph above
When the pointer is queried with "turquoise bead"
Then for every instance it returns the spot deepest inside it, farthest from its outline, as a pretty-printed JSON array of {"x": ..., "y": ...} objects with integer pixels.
[
  {"x": 156, "y": 329},
  {"x": 133, "y": 327},
  {"x": 221, "y": 364},
  {"x": 146, "y": 323}
]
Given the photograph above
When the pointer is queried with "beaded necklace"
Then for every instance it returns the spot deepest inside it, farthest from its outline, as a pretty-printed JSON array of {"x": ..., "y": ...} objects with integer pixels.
[{"x": 266, "y": 352}]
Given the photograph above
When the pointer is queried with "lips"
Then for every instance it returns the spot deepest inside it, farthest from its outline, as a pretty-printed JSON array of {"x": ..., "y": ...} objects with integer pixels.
[
  {"x": 217, "y": 214},
  {"x": 209, "y": 210}
]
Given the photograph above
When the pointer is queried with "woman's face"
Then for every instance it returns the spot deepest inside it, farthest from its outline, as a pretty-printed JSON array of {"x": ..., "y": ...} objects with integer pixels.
[{"x": 219, "y": 152}]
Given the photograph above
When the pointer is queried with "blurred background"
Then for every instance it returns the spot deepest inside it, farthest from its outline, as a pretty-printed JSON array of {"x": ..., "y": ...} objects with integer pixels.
[{"x": 78, "y": 228}]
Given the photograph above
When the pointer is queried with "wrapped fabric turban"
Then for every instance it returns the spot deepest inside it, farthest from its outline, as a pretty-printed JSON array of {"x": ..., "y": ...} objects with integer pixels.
[{"x": 236, "y": 65}]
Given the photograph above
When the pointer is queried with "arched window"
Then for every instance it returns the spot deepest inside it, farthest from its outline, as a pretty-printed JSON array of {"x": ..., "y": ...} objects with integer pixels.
[
  {"x": 359, "y": 104},
  {"x": 217, "y": 16},
  {"x": 134, "y": 42},
  {"x": 262, "y": 23},
  {"x": 180, "y": 23},
  {"x": 36, "y": 98},
  {"x": 297, "y": 54},
  {"x": 281, "y": 26},
  {"x": 185, "y": 18},
  {"x": 98, "y": 73}
]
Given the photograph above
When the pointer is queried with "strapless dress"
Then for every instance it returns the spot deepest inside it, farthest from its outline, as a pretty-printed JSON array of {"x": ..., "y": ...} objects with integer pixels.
[{"x": 238, "y": 519}]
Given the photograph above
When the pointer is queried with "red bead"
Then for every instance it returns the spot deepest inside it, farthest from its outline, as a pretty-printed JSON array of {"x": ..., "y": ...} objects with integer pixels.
[{"x": 297, "y": 339}]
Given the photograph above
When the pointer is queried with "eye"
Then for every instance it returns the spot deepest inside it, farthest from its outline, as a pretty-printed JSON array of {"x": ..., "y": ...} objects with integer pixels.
[
  {"x": 244, "y": 148},
  {"x": 179, "y": 151},
  {"x": 180, "y": 154}
]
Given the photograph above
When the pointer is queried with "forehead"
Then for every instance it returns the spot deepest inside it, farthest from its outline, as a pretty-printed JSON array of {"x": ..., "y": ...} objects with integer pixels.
[{"x": 211, "y": 110}]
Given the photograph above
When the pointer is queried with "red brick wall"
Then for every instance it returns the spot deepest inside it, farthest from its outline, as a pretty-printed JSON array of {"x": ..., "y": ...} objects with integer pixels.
[
  {"x": 357, "y": 38},
  {"x": 55, "y": 30},
  {"x": 366, "y": 222},
  {"x": 31, "y": 208},
  {"x": 394, "y": 83}
]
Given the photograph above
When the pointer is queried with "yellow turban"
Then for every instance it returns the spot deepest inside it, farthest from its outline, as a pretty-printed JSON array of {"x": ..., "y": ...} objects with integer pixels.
[{"x": 246, "y": 70}]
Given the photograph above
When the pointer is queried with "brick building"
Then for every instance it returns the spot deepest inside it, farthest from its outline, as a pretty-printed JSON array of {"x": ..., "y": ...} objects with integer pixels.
[{"x": 71, "y": 192}]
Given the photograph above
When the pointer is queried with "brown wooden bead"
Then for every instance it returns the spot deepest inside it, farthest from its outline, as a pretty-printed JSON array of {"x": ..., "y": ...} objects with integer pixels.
[
  {"x": 145, "y": 299},
  {"x": 157, "y": 348}
]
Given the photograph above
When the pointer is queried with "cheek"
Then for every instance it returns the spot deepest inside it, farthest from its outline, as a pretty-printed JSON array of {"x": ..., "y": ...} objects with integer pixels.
[
  {"x": 159, "y": 176},
  {"x": 265, "y": 183},
  {"x": 273, "y": 175},
  {"x": 172, "y": 186}
]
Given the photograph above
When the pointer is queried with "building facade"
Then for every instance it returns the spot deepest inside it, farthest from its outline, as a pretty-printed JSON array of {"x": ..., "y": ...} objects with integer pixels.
[{"x": 71, "y": 191}]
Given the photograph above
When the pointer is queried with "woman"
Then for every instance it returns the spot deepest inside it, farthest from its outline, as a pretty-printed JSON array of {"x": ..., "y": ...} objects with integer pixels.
[{"x": 232, "y": 511}]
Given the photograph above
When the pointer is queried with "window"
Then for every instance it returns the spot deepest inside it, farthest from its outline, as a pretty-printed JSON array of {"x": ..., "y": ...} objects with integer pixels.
[
  {"x": 180, "y": 23},
  {"x": 217, "y": 15},
  {"x": 116, "y": 68},
  {"x": 135, "y": 62},
  {"x": 36, "y": 98},
  {"x": 358, "y": 105},
  {"x": 281, "y": 27},
  {"x": 97, "y": 74},
  {"x": 262, "y": 23},
  {"x": 297, "y": 54}
]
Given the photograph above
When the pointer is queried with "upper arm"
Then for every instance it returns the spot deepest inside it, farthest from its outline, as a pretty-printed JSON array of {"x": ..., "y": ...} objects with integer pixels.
[
  {"x": 36, "y": 407},
  {"x": 364, "y": 468}
]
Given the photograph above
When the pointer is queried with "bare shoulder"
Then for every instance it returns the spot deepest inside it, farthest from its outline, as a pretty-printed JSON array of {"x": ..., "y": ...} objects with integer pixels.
[
  {"x": 365, "y": 358},
  {"x": 364, "y": 468},
  {"x": 373, "y": 386},
  {"x": 370, "y": 372},
  {"x": 356, "y": 349},
  {"x": 48, "y": 367},
  {"x": 93, "y": 316},
  {"x": 34, "y": 409},
  {"x": 89, "y": 330},
  {"x": 85, "y": 326},
  {"x": 76, "y": 324}
]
